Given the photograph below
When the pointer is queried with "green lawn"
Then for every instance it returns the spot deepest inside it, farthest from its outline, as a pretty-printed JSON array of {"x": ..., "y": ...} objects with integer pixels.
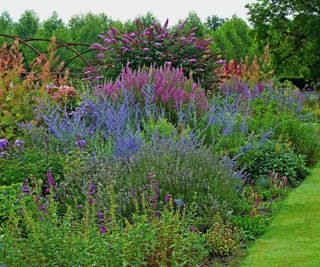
[{"x": 293, "y": 238}]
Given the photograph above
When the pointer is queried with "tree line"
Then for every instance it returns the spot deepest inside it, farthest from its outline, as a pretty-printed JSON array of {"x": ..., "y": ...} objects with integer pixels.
[{"x": 290, "y": 28}]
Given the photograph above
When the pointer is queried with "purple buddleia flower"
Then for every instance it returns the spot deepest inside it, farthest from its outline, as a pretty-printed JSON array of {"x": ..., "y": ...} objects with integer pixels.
[
  {"x": 182, "y": 25},
  {"x": 100, "y": 214},
  {"x": 114, "y": 31},
  {"x": 98, "y": 47}
]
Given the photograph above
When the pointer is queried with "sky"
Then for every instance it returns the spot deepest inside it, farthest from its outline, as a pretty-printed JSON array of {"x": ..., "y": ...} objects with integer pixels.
[{"x": 124, "y": 10}]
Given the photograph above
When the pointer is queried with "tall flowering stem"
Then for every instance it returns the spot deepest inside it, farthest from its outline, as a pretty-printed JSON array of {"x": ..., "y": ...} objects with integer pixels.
[{"x": 170, "y": 87}]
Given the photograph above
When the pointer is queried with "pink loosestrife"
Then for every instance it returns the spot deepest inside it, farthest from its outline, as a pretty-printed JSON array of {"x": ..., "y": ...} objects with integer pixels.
[{"x": 172, "y": 88}]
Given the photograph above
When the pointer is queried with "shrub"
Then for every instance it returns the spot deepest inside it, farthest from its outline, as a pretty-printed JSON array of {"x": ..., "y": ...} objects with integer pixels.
[
  {"x": 302, "y": 136},
  {"x": 20, "y": 91},
  {"x": 251, "y": 227},
  {"x": 156, "y": 45},
  {"x": 179, "y": 169},
  {"x": 21, "y": 164},
  {"x": 8, "y": 200},
  {"x": 222, "y": 238},
  {"x": 275, "y": 157},
  {"x": 38, "y": 234}
]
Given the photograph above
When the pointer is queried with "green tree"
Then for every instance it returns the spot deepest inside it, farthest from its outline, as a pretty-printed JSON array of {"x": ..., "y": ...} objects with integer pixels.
[
  {"x": 85, "y": 28},
  {"x": 52, "y": 25},
  {"x": 292, "y": 29},
  {"x": 194, "y": 21},
  {"x": 6, "y": 27},
  {"x": 233, "y": 39},
  {"x": 213, "y": 22},
  {"x": 6, "y": 23},
  {"x": 28, "y": 24},
  {"x": 148, "y": 19}
]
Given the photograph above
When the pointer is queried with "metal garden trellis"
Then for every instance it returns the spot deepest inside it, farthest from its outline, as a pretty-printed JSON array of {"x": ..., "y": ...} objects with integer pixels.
[{"x": 69, "y": 46}]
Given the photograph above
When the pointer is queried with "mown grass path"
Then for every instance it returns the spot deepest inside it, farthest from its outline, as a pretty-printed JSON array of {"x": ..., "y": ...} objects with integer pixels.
[{"x": 293, "y": 239}]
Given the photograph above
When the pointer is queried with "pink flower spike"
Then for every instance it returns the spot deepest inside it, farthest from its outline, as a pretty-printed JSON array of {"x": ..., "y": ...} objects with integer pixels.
[
  {"x": 98, "y": 46},
  {"x": 166, "y": 24},
  {"x": 182, "y": 25},
  {"x": 114, "y": 31}
]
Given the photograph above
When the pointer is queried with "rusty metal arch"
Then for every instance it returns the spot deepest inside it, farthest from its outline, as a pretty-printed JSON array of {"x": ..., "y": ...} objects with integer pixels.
[
  {"x": 68, "y": 46},
  {"x": 19, "y": 40}
]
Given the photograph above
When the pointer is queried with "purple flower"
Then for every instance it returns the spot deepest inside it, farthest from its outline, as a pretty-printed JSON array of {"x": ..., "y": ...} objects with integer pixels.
[
  {"x": 102, "y": 229},
  {"x": 192, "y": 229},
  {"x": 92, "y": 189},
  {"x": 3, "y": 143},
  {"x": 182, "y": 25},
  {"x": 166, "y": 24},
  {"x": 192, "y": 60},
  {"x": 25, "y": 188},
  {"x": 168, "y": 198},
  {"x": 99, "y": 47},
  {"x": 220, "y": 61},
  {"x": 79, "y": 207},
  {"x": 200, "y": 47},
  {"x": 81, "y": 143},
  {"x": 18, "y": 143},
  {"x": 132, "y": 34},
  {"x": 99, "y": 77},
  {"x": 158, "y": 44},
  {"x": 114, "y": 31},
  {"x": 50, "y": 179},
  {"x": 41, "y": 207},
  {"x": 146, "y": 49},
  {"x": 100, "y": 214}
]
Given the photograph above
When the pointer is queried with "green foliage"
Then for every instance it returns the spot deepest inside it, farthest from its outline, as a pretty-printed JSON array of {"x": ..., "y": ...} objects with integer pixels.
[
  {"x": 213, "y": 22},
  {"x": 234, "y": 41},
  {"x": 181, "y": 172},
  {"x": 301, "y": 136},
  {"x": 6, "y": 23},
  {"x": 76, "y": 238},
  {"x": 28, "y": 24},
  {"x": 160, "y": 127},
  {"x": 8, "y": 201},
  {"x": 252, "y": 227},
  {"x": 292, "y": 30},
  {"x": 275, "y": 157},
  {"x": 29, "y": 163},
  {"x": 222, "y": 238}
]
